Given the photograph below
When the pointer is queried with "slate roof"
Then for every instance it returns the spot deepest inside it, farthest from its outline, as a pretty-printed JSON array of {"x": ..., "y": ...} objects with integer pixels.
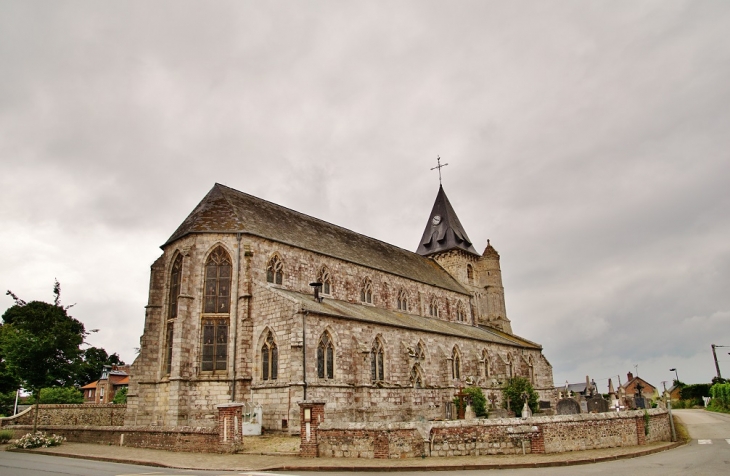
[
  {"x": 444, "y": 231},
  {"x": 225, "y": 210},
  {"x": 386, "y": 317}
]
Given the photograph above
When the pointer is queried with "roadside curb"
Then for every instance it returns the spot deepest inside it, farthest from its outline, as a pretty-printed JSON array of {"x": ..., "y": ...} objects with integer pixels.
[{"x": 402, "y": 466}]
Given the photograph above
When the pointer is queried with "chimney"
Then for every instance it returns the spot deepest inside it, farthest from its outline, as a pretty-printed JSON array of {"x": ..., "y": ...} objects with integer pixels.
[{"x": 630, "y": 376}]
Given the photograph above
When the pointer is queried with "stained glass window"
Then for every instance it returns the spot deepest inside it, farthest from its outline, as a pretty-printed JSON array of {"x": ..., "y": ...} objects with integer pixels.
[
  {"x": 218, "y": 282},
  {"x": 215, "y": 345}
]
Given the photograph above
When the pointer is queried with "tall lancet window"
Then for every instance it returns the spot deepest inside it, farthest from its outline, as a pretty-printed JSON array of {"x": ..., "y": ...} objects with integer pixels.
[
  {"x": 455, "y": 363},
  {"x": 214, "y": 356},
  {"x": 377, "y": 373},
  {"x": 366, "y": 291},
  {"x": 175, "y": 278},
  {"x": 402, "y": 300},
  {"x": 218, "y": 282},
  {"x": 325, "y": 357},
  {"x": 324, "y": 277},
  {"x": 269, "y": 358}
]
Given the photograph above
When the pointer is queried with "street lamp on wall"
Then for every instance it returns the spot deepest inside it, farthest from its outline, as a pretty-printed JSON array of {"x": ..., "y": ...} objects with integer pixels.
[{"x": 675, "y": 373}]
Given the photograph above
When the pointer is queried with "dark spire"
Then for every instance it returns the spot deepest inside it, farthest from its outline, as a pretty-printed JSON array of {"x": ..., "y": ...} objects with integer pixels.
[{"x": 444, "y": 231}]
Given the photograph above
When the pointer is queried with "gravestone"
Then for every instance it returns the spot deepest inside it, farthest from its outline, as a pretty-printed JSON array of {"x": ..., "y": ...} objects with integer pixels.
[
  {"x": 640, "y": 402},
  {"x": 567, "y": 406},
  {"x": 597, "y": 404},
  {"x": 583, "y": 405},
  {"x": 500, "y": 413}
]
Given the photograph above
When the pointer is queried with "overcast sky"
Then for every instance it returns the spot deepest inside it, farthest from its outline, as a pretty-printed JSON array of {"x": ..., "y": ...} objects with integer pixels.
[{"x": 588, "y": 140}]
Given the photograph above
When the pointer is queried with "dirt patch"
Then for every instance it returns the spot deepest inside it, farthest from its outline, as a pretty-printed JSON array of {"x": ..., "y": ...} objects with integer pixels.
[{"x": 271, "y": 444}]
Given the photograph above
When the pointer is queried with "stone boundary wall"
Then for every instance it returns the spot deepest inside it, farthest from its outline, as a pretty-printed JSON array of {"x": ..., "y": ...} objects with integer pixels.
[
  {"x": 547, "y": 434},
  {"x": 83, "y": 414},
  {"x": 194, "y": 440}
]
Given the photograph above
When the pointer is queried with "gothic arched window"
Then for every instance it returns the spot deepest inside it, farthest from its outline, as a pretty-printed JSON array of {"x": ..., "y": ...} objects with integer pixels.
[
  {"x": 324, "y": 278},
  {"x": 455, "y": 363},
  {"x": 366, "y": 291},
  {"x": 218, "y": 282},
  {"x": 485, "y": 359},
  {"x": 433, "y": 308},
  {"x": 269, "y": 358},
  {"x": 420, "y": 352},
  {"x": 377, "y": 372},
  {"x": 402, "y": 300},
  {"x": 216, "y": 310},
  {"x": 470, "y": 273},
  {"x": 460, "y": 312},
  {"x": 175, "y": 278},
  {"x": 275, "y": 271},
  {"x": 325, "y": 357}
]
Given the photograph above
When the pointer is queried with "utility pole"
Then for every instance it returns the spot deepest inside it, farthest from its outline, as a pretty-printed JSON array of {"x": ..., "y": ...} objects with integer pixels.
[{"x": 714, "y": 354}]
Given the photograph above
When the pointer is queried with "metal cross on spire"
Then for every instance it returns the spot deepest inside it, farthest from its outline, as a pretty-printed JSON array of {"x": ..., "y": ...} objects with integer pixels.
[{"x": 439, "y": 166}]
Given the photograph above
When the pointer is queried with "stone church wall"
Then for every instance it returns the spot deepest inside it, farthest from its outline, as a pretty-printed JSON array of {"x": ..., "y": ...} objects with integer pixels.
[{"x": 187, "y": 396}]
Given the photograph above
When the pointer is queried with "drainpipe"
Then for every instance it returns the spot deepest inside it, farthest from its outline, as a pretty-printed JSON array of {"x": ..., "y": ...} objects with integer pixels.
[
  {"x": 235, "y": 314},
  {"x": 304, "y": 352}
]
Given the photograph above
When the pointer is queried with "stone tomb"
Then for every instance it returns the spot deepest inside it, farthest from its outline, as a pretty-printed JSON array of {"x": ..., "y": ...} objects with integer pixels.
[
  {"x": 567, "y": 406},
  {"x": 597, "y": 404}
]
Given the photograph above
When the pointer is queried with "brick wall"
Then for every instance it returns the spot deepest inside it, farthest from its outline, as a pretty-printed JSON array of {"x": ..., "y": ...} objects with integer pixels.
[
  {"x": 85, "y": 414},
  {"x": 549, "y": 434}
]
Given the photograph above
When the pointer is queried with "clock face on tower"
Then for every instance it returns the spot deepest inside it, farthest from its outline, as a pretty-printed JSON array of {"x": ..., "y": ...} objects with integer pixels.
[{"x": 436, "y": 219}]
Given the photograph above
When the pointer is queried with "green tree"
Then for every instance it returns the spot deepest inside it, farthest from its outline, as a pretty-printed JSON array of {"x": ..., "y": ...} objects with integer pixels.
[
  {"x": 91, "y": 363},
  {"x": 40, "y": 343},
  {"x": 513, "y": 390},
  {"x": 60, "y": 395},
  {"x": 120, "y": 398},
  {"x": 7, "y": 403}
]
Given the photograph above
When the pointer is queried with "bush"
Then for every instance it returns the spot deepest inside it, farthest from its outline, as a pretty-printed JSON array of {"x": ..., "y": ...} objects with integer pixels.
[
  {"x": 59, "y": 395},
  {"x": 38, "y": 440},
  {"x": 5, "y": 436},
  {"x": 478, "y": 401},
  {"x": 120, "y": 398},
  {"x": 720, "y": 393},
  {"x": 694, "y": 393},
  {"x": 513, "y": 389}
]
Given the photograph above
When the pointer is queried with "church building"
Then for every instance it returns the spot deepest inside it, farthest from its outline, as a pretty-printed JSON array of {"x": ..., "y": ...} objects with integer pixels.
[{"x": 254, "y": 302}]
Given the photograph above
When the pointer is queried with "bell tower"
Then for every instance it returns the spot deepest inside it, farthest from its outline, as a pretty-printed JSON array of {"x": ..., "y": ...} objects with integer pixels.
[{"x": 445, "y": 241}]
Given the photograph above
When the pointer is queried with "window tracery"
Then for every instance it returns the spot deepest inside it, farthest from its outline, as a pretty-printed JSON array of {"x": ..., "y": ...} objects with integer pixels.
[
  {"x": 325, "y": 357},
  {"x": 324, "y": 278},
  {"x": 455, "y": 363},
  {"x": 403, "y": 300},
  {"x": 218, "y": 282},
  {"x": 377, "y": 372},
  {"x": 433, "y": 307},
  {"x": 416, "y": 376},
  {"x": 269, "y": 358},
  {"x": 275, "y": 270},
  {"x": 366, "y": 291}
]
